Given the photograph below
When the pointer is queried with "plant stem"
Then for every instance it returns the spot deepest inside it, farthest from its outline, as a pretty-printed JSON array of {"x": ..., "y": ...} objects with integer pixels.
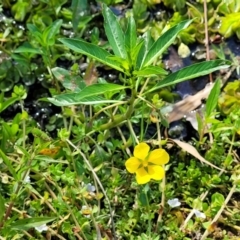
[
  {"x": 99, "y": 183},
  {"x": 149, "y": 216},
  {"x": 120, "y": 119},
  {"x": 220, "y": 210},
  {"x": 206, "y": 36},
  {"x": 15, "y": 194}
]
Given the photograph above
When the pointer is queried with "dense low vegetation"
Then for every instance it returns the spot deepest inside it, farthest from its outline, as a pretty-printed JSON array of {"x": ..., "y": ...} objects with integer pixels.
[{"x": 101, "y": 137}]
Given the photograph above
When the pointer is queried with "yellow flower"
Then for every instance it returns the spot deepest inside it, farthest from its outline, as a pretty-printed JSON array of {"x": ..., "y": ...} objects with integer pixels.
[{"x": 147, "y": 165}]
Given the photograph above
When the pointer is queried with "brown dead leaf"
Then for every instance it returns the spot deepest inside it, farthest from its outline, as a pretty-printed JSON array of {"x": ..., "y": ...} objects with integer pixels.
[
  {"x": 91, "y": 74},
  {"x": 188, "y": 104},
  {"x": 193, "y": 151}
]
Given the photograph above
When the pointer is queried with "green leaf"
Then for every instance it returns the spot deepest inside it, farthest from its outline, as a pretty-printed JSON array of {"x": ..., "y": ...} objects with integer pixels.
[
  {"x": 122, "y": 62},
  {"x": 192, "y": 71},
  {"x": 229, "y": 24},
  {"x": 78, "y": 7},
  {"x": 145, "y": 47},
  {"x": 70, "y": 99},
  {"x": 35, "y": 32},
  {"x": 79, "y": 167},
  {"x": 50, "y": 33},
  {"x": 164, "y": 41},
  {"x": 135, "y": 52},
  {"x": 73, "y": 83},
  {"x": 114, "y": 33},
  {"x": 6, "y": 103},
  {"x": 89, "y": 95},
  {"x": 25, "y": 224},
  {"x": 91, "y": 50},
  {"x": 212, "y": 100},
  {"x": 27, "y": 48},
  {"x": 149, "y": 71},
  {"x": 2, "y": 207},
  {"x": 131, "y": 36},
  {"x": 9, "y": 164}
]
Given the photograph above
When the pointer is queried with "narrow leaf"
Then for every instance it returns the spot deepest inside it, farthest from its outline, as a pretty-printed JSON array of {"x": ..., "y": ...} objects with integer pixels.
[
  {"x": 78, "y": 7},
  {"x": 91, "y": 50},
  {"x": 164, "y": 41},
  {"x": 35, "y": 32},
  {"x": 50, "y": 32},
  {"x": 2, "y": 207},
  {"x": 25, "y": 224},
  {"x": 73, "y": 83},
  {"x": 191, "y": 72},
  {"x": 145, "y": 47},
  {"x": 9, "y": 164},
  {"x": 212, "y": 100},
  {"x": 114, "y": 33},
  {"x": 131, "y": 35},
  {"x": 89, "y": 95},
  {"x": 6, "y": 103},
  {"x": 193, "y": 151},
  {"x": 97, "y": 89},
  {"x": 27, "y": 48},
  {"x": 149, "y": 71},
  {"x": 70, "y": 99}
]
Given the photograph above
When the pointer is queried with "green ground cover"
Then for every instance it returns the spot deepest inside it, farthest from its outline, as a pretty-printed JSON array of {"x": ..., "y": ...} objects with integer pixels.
[{"x": 86, "y": 103}]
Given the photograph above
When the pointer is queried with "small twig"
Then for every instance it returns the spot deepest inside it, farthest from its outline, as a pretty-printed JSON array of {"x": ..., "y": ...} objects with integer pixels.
[
  {"x": 206, "y": 36},
  {"x": 132, "y": 131},
  {"x": 124, "y": 141},
  {"x": 220, "y": 210},
  {"x": 163, "y": 183},
  {"x": 99, "y": 183},
  {"x": 192, "y": 212}
]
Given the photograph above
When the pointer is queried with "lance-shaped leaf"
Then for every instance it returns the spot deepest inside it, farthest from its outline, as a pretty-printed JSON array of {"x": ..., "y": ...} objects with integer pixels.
[
  {"x": 79, "y": 7},
  {"x": 212, "y": 99},
  {"x": 91, "y": 50},
  {"x": 25, "y": 224},
  {"x": 8, "y": 164},
  {"x": 114, "y": 33},
  {"x": 145, "y": 47},
  {"x": 2, "y": 207},
  {"x": 191, "y": 72},
  {"x": 131, "y": 35},
  {"x": 70, "y": 99},
  {"x": 50, "y": 32},
  {"x": 164, "y": 42},
  {"x": 150, "y": 71},
  {"x": 89, "y": 95},
  {"x": 71, "y": 82},
  {"x": 27, "y": 48}
]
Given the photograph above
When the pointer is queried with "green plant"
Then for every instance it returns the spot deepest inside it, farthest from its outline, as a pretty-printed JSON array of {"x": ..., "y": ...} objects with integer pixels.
[
  {"x": 133, "y": 57},
  {"x": 72, "y": 183}
]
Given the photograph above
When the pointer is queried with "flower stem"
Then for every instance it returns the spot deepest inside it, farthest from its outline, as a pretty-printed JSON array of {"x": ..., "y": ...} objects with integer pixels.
[
  {"x": 149, "y": 216},
  {"x": 120, "y": 119}
]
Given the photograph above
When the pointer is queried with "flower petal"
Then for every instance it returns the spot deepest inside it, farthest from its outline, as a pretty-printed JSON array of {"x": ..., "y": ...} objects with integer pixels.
[
  {"x": 142, "y": 176},
  {"x": 141, "y": 151},
  {"x": 132, "y": 164},
  {"x": 199, "y": 214},
  {"x": 174, "y": 202},
  {"x": 158, "y": 157},
  {"x": 156, "y": 172},
  {"x": 42, "y": 228}
]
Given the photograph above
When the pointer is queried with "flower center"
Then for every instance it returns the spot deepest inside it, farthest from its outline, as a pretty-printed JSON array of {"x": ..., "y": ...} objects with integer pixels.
[{"x": 145, "y": 163}]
